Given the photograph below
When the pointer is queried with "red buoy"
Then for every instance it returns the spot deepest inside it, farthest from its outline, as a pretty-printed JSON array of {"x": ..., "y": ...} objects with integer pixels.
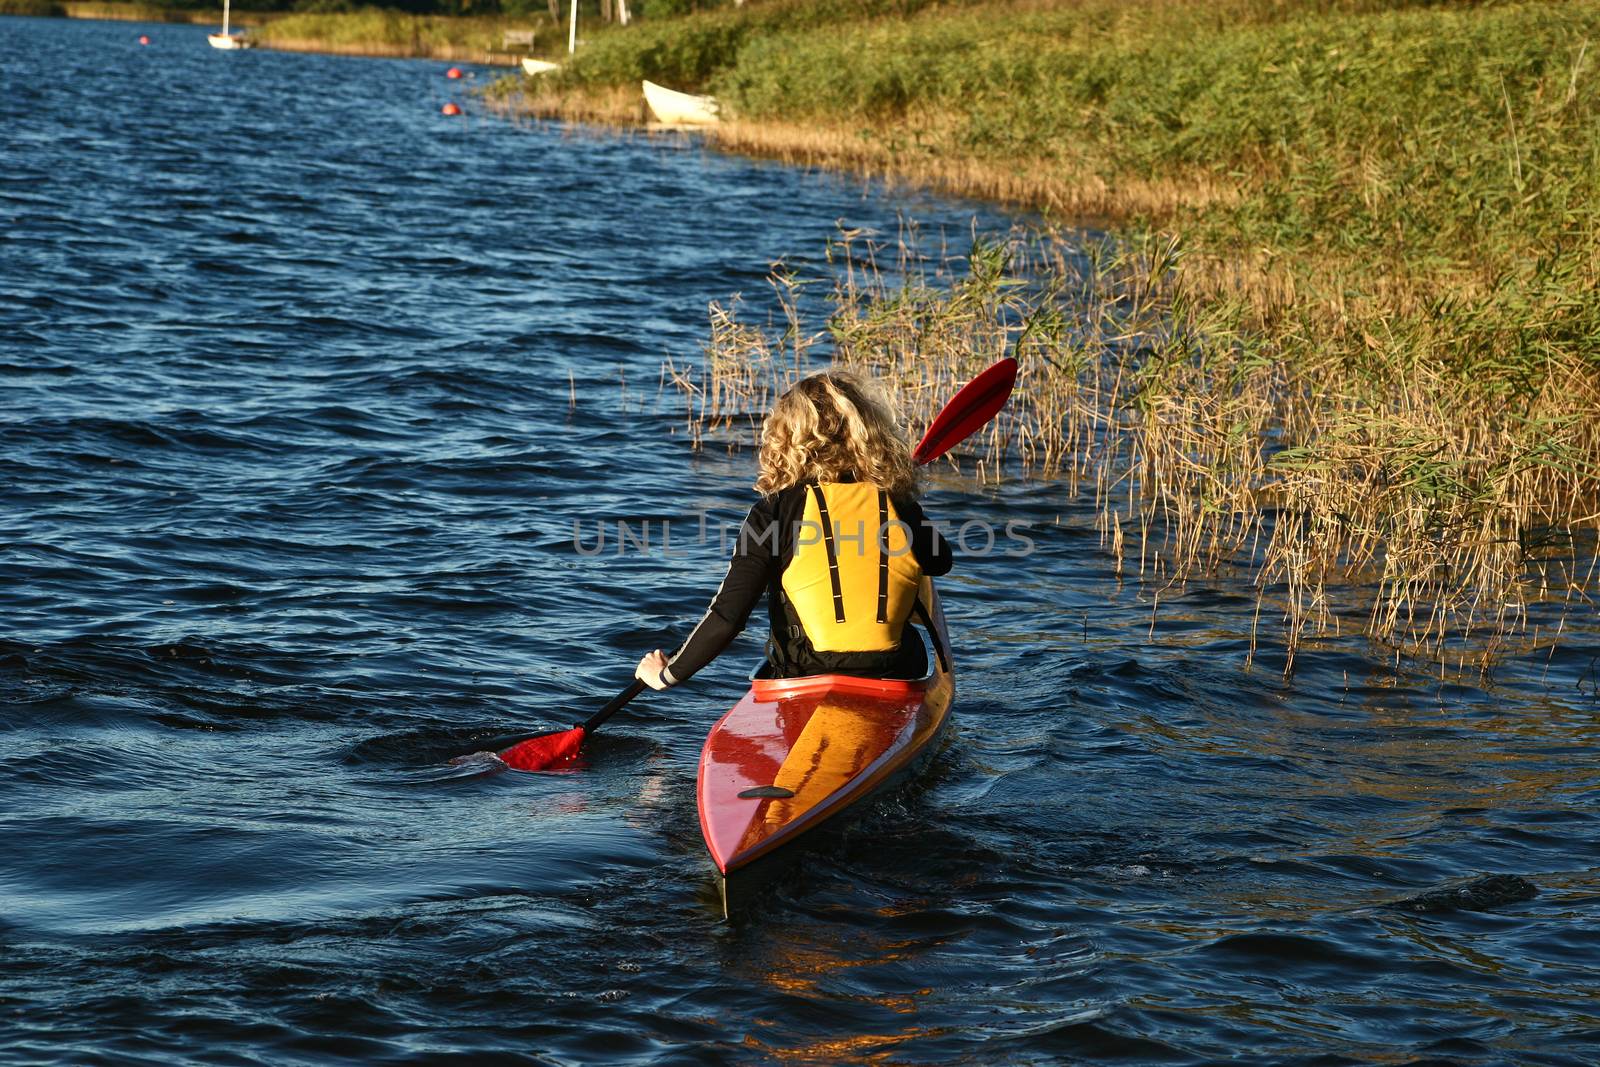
[
  {"x": 143, "y": 39},
  {"x": 453, "y": 72},
  {"x": 451, "y": 109}
]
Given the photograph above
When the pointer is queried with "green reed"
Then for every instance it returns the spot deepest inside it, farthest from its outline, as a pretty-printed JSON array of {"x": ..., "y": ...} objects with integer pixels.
[
  {"x": 37, "y": 8},
  {"x": 388, "y": 31},
  {"x": 1410, "y": 506}
]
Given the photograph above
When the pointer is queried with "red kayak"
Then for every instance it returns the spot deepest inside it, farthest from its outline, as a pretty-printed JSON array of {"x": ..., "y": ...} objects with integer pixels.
[{"x": 797, "y": 753}]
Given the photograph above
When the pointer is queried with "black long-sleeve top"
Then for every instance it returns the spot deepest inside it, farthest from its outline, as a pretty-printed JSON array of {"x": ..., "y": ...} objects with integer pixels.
[{"x": 766, "y": 544}]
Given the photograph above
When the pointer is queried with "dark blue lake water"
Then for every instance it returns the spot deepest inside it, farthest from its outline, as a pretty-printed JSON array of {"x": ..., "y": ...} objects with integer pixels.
[{"x": 302, "y": 389}]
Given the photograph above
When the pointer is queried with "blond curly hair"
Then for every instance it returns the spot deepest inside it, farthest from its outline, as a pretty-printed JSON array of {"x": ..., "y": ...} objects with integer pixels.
[{"x": 831, "y": 424}]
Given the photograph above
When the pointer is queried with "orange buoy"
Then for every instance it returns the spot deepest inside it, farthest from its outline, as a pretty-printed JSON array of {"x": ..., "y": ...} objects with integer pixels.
[
  {"x": 143, "y": 39},
  {"x": 451, "y": 109},
  {"x": 453, "y": 72}
]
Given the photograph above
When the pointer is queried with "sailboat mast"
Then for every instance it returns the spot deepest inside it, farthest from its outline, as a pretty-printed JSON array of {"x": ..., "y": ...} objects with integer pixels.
[{"x": 225, "y": 6}]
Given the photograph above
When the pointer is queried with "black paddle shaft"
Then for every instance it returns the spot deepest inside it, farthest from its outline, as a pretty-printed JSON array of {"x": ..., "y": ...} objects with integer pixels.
[{"x": 614, "y": 705}]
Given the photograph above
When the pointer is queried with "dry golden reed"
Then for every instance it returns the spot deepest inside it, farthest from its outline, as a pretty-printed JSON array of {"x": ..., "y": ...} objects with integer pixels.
[{"x": 1367, "y": 489}]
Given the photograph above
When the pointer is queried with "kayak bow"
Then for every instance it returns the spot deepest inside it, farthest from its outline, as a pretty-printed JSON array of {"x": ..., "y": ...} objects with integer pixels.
[{"x": 797, "y": 753}]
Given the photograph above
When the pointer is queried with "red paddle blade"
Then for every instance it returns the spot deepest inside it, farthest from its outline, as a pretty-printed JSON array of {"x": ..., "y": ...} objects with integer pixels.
[
  {"x": 974, "y": 405},
  {"x": 545, "y": 751}
]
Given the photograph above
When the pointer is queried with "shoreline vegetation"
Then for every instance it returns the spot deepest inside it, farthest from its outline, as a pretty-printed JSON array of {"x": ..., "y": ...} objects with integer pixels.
[
  {"x": 1446, "y": 539},
  {"x": 393, "y": 34},
  {"x": 114, "y": 11},
  {"x": 1344, "y": 338},
  {"x": 1348, "y": 341},
  {"x": 368, "y": 31}
]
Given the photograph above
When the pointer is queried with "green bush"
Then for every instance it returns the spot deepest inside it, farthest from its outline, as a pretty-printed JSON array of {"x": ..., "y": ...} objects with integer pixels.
[
  {"x": 325, "y": 7},
  {"x": 687, "y": 52},
  {"x": 1459, "y": 129}
]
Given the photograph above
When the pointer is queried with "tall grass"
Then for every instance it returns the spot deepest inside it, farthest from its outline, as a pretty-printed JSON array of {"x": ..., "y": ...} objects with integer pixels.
[
  {"x": 1409, "y": 506},
  {"x": 131, "y": 11},
  {"x": 1421, "y": 145},
  {"x": 391, "y": 32},
  {"x": 1376, "y": 361},
  {"x": 1367, "y": 366},
  {"x": 688, "y": 52}
]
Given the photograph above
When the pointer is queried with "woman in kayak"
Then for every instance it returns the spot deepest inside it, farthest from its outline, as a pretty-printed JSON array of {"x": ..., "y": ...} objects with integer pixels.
[{"x": 837, "y": 542}]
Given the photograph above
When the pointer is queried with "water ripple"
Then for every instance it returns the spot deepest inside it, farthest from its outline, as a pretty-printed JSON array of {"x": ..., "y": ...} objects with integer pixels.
[{"x": 303, "y": 388}]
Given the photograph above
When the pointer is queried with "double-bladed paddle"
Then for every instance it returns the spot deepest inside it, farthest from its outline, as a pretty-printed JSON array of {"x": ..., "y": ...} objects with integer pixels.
[{"x": 977, "y": 402}]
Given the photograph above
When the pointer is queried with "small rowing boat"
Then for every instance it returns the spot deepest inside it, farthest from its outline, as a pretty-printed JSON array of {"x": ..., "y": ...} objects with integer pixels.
[
  {"x": 797, "y": 753},
  {"x": 534, "y": 67},
  {"x": 680, "y": 109}
]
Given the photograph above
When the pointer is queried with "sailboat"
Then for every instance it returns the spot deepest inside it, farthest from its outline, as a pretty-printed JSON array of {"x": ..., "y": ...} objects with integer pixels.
[{"x": 226, "y": 39}]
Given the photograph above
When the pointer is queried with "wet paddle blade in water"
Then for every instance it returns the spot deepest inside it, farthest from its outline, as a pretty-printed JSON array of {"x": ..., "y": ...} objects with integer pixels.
[
  {"x": 545, "y": 751},
  {"x": 977, "y": 402}
]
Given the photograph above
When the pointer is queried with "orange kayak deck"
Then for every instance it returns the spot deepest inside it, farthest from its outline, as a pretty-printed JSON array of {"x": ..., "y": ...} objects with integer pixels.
[{"x": 794, "y": 752}]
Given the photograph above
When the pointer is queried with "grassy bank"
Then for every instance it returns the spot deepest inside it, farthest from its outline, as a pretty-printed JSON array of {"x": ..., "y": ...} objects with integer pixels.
[
  {"x": 387, "y": 32},
  {"x": 110, "y": 10},
  {"x": 121, "y": 11},
  {"x": 1369, "y": 366},
  {"x": 369, "y": 31}
]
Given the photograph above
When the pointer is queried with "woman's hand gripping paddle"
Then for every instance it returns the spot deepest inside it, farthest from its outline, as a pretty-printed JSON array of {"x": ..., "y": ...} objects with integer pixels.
[{"x": 977, "y": 402}]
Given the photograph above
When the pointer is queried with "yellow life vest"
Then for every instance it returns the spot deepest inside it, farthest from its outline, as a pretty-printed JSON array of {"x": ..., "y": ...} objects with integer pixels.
[{"x": 853, "y": 580}]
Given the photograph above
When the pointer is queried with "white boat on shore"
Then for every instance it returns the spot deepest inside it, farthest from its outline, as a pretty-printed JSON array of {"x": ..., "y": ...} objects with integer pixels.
[
  {"x": 535, "y": 67},
  {"x": 225, "y": 39},
  {"x": 680, "y": 109}
]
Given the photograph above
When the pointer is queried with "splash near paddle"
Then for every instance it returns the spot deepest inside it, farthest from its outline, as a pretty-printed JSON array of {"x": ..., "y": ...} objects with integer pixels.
[
  {"x": 547, "y": 751},
  {"x": 974, "y": 405},
  {"x": 544, "y": 753}
]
